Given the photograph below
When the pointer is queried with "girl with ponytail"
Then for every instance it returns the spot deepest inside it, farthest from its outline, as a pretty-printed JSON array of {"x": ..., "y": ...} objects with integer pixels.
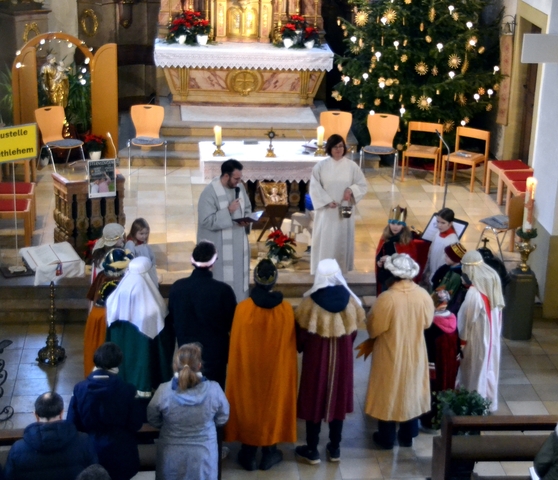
[{"x": 187, "y": 410}]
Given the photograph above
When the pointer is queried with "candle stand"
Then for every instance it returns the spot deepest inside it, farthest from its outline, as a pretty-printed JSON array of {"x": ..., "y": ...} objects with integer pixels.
[{"x": 520, "y": 295}]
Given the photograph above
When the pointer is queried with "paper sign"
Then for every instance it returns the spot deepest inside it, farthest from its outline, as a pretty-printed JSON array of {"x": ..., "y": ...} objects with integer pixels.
[{"x": 18, "y": 143}]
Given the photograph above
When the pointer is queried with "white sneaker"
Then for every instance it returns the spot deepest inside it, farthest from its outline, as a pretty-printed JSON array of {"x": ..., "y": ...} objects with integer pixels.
[{"x": 225, "y": 452}]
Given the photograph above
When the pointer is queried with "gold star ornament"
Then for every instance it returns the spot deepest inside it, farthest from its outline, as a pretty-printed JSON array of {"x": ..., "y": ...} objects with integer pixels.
[
  {"x": 421, "y": 68},
  {"x": 391, "y": 15},
  {"x": 361, "y": 19},
  {"x": 454, "y": 61}
]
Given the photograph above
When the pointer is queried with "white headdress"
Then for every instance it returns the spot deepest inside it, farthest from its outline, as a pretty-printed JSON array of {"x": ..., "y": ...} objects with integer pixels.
[
  {"x": 137, "y": 300},
  {"x": 112, "y": 233},
  {"x": 484, "y": 278},
  {"x": 328, "y": 274},
  {"x": 401, "y": 265}
]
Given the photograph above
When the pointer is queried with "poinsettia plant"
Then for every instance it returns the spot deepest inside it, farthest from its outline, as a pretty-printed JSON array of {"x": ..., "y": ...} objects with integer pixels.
[
  {"x": 202, "y": 27},
  {"x": 94, "y": 143},
  {"x": 299, "y": 31},
  {"x": 281, "y": 246},
  {"x": 311, "y": 33},
  {"x": 289, "y": 31},
  {"x": 189, "y": 23}
]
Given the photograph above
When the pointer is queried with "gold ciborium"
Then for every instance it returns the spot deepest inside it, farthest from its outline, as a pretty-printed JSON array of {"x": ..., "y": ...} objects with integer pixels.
[{"x": 525, "y": 249}]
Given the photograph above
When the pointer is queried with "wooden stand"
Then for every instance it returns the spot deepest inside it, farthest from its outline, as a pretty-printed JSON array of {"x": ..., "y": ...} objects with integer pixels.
[{"x": 79, "y": 218}]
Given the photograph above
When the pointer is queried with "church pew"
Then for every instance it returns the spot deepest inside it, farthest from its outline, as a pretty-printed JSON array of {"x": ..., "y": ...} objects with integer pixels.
[{"x": 449, "y": 448}]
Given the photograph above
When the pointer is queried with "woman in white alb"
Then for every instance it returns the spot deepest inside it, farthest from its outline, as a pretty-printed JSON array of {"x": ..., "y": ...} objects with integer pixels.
[
  {"x": 335, "y": 179},
  {"x": 479, "y": 322}
]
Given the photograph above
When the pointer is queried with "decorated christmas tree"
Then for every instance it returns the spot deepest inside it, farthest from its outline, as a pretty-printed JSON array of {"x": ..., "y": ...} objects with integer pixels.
[{"x": 425, "y": 60}]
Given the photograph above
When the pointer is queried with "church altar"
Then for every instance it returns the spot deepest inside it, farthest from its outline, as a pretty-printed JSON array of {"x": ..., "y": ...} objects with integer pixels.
[
  {"x": 243, "y": 73},
  {"x": 290, "y": 164}
]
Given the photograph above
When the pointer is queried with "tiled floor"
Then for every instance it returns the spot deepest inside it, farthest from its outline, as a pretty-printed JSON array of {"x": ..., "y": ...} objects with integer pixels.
[{"x": 529, "y": 376}]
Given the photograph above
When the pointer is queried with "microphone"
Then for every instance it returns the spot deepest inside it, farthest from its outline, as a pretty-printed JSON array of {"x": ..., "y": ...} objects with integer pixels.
[{"x": 236, "y": 192}]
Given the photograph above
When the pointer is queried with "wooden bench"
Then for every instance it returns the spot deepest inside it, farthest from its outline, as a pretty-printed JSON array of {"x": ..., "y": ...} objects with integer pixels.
[
  {"x": 22, "y": 210},
  {"x": 23, "y": 191},
  {"x": 500, "y": 167},
  {"x": 516, "y": 183},
  {"x": 449, "y": 448}
]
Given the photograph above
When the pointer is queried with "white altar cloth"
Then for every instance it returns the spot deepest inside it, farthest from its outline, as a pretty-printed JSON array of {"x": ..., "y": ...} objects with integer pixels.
[
  {"x": 291, "y": 164},
  {"x": 243, "y": 55}
]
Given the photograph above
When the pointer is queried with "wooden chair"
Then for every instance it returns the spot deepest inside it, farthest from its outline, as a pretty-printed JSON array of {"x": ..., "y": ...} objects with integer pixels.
[
  {"x": 415, "y": 150},
  {"x": 336, "y": 122},
  {"x": 23, "y": 191},
  {"x": 382, "y": 128},
  {"x": 466, "y": 157},
  {"x": 276, "y": 203},
  {"x": 499, "y": 167},
  {"x": 502, "y": 224},
  {"x": 147, "y": 120},
  {"x": 51, "y": 123},
  {"x": 20, "y": 209}
]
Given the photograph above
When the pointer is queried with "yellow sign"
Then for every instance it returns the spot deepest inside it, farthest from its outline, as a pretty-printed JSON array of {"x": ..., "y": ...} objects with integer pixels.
[{"x": 18, "y": 143}]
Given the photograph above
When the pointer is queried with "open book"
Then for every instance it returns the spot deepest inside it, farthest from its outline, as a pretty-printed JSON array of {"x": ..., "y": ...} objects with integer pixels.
[
  {"x": 50, "y": 254},
  {"x": 252, "y": 218}
]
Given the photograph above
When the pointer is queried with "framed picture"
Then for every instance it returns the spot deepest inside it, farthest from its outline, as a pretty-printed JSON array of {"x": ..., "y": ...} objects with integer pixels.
[
  {"x": 430, "y": 231},
  {"x": 102, "y": 175}
]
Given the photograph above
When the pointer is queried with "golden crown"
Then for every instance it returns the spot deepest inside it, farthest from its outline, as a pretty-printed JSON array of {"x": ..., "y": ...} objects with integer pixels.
[{"x": 398, "y": 214}]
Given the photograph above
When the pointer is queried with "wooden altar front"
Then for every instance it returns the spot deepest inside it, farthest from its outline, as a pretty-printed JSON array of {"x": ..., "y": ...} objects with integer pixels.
[
  {"x": 77, "y": 217},
  {"x": 243, "y": 73}
]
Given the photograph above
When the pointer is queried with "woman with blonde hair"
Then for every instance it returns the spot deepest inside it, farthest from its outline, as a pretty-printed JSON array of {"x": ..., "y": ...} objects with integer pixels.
[{"x": 187, "y": 410}]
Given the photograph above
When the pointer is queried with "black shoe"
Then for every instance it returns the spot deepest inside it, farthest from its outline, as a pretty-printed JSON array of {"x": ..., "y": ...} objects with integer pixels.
[
  {"x": 378, "y": 440},
  {"x": 304, "y": 453},
  {"x": 247, "y": 459},
  {"x": 333, "y": 454},
  {"x": 270, "y": 456},
  {"x": 403, "y": 443}
]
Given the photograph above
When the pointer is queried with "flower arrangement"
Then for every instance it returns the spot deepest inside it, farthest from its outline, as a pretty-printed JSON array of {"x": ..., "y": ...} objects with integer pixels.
[
  {"x": 311, "y": 33},
  {"x": 94, "y": 143},
  {"x": 299, "y": 31},
  {"x": 186, "y": 25},
  {"x": 281, "y": 247},
  {"x": 202, "y": 27},
  {"x": 289, "y": 31}
]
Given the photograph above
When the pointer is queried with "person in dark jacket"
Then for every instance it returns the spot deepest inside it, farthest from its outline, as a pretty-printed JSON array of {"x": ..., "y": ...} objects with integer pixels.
[
  {"x": 51, "y": 448},
  {"x": 202, "y": 310},
  {"x": 94, "y": 472},
  {"x": 104, "y": 406},
  {"x": 546, "y": 461}
]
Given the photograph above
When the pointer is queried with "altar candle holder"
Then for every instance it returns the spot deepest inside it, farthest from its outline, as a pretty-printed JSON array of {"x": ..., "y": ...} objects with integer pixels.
[
  {"x": 218, "y": 142},
  {"x": 320, "y": 151},
  {"x": 270, "y": 153}
]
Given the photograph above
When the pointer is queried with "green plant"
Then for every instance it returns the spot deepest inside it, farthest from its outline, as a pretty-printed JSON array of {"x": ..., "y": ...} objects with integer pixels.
[
  {"x": 526, "y": 235},
  {"x": 78, "y": 110},
  {"x": 460, "y": 402},
  {"x": 6, "y": 96}
]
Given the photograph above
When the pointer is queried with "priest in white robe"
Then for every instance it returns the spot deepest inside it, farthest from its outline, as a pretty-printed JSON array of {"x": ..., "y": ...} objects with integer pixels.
[
  {"x": 336, "y": 180},
  {"x": 222, "y": 201},
  {"x": 479, "y": 322}
]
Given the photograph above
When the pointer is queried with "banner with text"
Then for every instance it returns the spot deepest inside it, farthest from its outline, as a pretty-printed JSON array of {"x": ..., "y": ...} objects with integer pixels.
[{"x": 18, "y": 143}]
